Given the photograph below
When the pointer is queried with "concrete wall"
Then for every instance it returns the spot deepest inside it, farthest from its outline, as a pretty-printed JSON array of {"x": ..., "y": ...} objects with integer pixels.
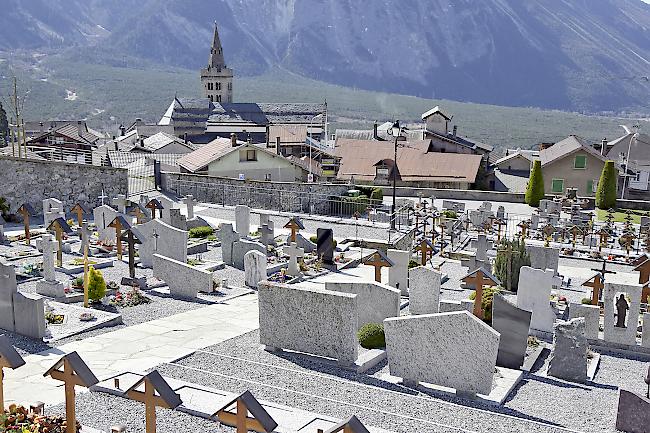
[
  {"x": 32, "y": 181},
  {"x": 573, "y": 177},
  {"x": 375, "y": 301},
  {"x": 234, "y": 163}
]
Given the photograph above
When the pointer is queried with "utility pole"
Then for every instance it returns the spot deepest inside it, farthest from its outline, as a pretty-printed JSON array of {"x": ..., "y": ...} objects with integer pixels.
[{"x": 17, "y": 114}]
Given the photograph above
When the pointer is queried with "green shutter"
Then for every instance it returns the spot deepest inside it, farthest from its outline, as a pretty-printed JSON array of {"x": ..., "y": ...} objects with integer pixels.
[
  {"x": 590, "y": 187},
  {"x": 557, "y": 185},
  {"x": 580, "y": 161}
]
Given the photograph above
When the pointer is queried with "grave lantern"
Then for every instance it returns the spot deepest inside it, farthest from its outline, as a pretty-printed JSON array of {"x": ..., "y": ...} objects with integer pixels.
[
  {"x": 237, "y": 416},
  {"x": 157, "y": 393},
  {"x": 9, "y": 358}
]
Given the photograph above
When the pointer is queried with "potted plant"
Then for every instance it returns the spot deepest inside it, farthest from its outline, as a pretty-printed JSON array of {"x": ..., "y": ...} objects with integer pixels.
[{"x": 78, "y": 284}]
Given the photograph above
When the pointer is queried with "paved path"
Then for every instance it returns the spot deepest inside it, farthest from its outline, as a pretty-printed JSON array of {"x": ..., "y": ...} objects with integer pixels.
[{"x": 136, "y": 348}]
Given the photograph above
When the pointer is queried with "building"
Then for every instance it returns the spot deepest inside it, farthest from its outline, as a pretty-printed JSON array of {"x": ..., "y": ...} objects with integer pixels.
[
  {"x": 243, "y": 160},
  {"x": 511, "y": 172},
  {"x": 571, "y": 164},
  {"x": 368, "y": 161},
  {"x": 162, "y": 143},
  {"x": 66, "y": 135},
  {"x": 216, "y": 78},
  {"x": 638, "y": 147}
]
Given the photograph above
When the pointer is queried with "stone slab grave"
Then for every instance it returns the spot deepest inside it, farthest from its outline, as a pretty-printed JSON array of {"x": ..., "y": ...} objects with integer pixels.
[
  {"x": 160, "y": 238},
  {"x": 313, "y": 321},
  {"x": 325, "y": 245},
  {"x": 424, "y": 290},
  {"x": 201, "y": 401},
  {"x": 513, "y": 324},
  {"x": 568, "y": 360},
  {"x": 543, "y": 257},
  {"x": 621, "y": 315},
  {"x": 534, "y": 295},
  {"x": 243, "y": 220},
  {"x": 633, "y": 413},
  {"x": 398, "y": 274},
  {"x": 103, "y": 215},
  {"x": 49, "y": 286},
  {"x": 72, "y": 323},
  {"x": 375, "y": 301},
  {"x": 447, "y": 306},
  {"x": 454, "y": 350},
  {"x": 183, "y": 280},
  {"x": 22, "y": 313},
  {"x": 241, "y": 247},
  {"x": 267, "y": 233},
  {"x": 228, "y": 236},
  {"x": 167, "y": 206},
  {"x": 591, "y": 314},
  {"x": 254, "y": 268}
]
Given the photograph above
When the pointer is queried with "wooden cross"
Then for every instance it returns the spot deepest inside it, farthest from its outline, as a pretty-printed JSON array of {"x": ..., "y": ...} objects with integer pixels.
[
  {"x": 499, "y": 223},
  {"x": 478, "y": 279},
  {"x": 75, "y": 372},
  {"x": 425, "y": 248},
  {"x": 26, "y": 211},
  {"x": 575, "y": 230},
  {"x": 524, "y": 226},
  {"x": 548, "y": 231},
  {"x": 157, "y": 393},
  {"x": 80, "y": 211},
  {"x": 131, "y": 239},
  {"x": 597, "y": 284},
  {"x": 644, "y": 279},
  {"x": 139, "y": 215},
  {"x": 378, "y": 260},
  {"x": 350, "y": 425},
  {"x": 9, "y": 358},
  {"x": 119, "y": 224},
  {"x": 628, "y": 239},
  {"x": 603, "y": 235},
  {"x": 295, "y": 226},
  {"x": 260, "y": 421},
  {"x": 153, "y": 205},
  {"x": 59, "y": 226}
]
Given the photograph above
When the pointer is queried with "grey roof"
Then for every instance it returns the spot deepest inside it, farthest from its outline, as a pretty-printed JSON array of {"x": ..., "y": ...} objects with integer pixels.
[
  {"x": 119, "y": 159},
  {"x": 160, "y": 385},
  {"x": 9, "y": 357},
  {"x": 62, "y": 223},
  {"x": 80, "y": 368},
  {"x": 296, "y": 220},
  {"x": 265, "y": 113},
  {"x": 255, "y": 408},
  {"x": 511, "y": 180},
  {"x": 353, "y": 423},
  {"x": 566, "y": 147}
]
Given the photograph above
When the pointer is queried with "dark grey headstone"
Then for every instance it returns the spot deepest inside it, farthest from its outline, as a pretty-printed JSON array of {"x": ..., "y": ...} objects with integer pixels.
[
  {"x": 568, "y": 359},
  {"x": 325, "y": 245},
  {"x": 513, "y": 324},
  {"x": 633, "y": 415}
]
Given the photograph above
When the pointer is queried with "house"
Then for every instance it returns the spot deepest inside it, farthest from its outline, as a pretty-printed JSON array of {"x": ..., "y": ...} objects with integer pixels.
[
  {"x": 638, "y": 146},
  {"x": 243, "y": 160},
  {"x": 511, "y": 172},
  {"x": 162, "y": 143},
  {"x": 571, "y": 164},
  {"x": 66, "y": 135},
  {"x": 368, "y": 161}
]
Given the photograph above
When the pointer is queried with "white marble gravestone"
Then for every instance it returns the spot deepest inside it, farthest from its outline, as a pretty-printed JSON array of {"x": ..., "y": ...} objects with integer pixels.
[
  {"x": 254, "y": 268},
  {"x": 8, "y": 287},
  {"x": 534, "y": 295},
  {"x": 243, "y": 220},
  {"x": 424, "y": 290},
  {"x": 294, "y": 254},
  {"x": 103, "y": 215},
  {"x": 398, "y": 274},
  {"x": 49, "y": 286},
  {"x": 160, "y": 238},
  {"x": 228, "y": 236}
]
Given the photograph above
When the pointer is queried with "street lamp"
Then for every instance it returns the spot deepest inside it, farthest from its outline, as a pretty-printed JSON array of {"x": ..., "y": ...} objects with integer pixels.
[
  {"x": 310, "y": 177},
  {"x": 396, "y": 131}
]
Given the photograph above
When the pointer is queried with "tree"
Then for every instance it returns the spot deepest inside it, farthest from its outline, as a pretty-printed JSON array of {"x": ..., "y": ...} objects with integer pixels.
[
  {"x": 4, "y": 126},
  {"x": 518, "y": 257},
  {"x": 96, "y": 285},
  {"x": 606, "y": 192},
  {"x": 535, "y": 188}
]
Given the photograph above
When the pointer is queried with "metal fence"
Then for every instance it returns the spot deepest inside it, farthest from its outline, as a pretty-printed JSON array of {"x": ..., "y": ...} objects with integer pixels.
[{"x": 142, "y": 176}]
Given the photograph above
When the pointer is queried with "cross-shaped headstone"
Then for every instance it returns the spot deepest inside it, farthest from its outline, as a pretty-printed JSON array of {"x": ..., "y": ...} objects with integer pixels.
[
  {"x": 482, "y": 245},
  {"x": 157, "y": 393},
  {"x": 378, "y": 260},
  {"x": 190, "y": 203},
  {"x": 425, "y": 248},
  {"x": 120, "y": 202},
  {"x": 119, "y": 224},
  {"x": 103, "y": 197},
  {"x": 597, "y": 284},
  {"x": 155, "y": 237},
  {"x": 49, "y": 249},
  {"x": 26, "y": 211},
  {"x": 500, "y": 223},
  {"x": 266, "y": 234},
  {"x": 9, "y": 358},
  {"x": 260, "y": 421},
  {"x": 75, "y": 373},
  {"x": 154, "y": 205},
  {"x": 59, "y": 226},
  {"x": 228, "y": 236},
  {"x": 131, "y": 240},
  {"x": 139, "y": 215},
  {"x": 478, "y": 279},
  {"x": 294, "y": 254},
  {"x": 295, "y": 225}
]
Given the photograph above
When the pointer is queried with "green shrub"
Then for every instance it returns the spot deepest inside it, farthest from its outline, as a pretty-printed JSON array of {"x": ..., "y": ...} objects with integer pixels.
[
  {"x": 519, "y": 258},
  {"x": 377, "y": 196},
  {"x": 78, "y": 282},
  {"x": 586, "y": 301},
  {"x": 606, "y": 192},
  {"x": 535, "y": 188},
  {"x": 486, "y": 301},
  {"x": 314, "y": 239},
  {"x": 96, "y": 285},
  {"x": 450, "y": 214},
  {"x": 371, "y": 336},
  {"x": 201, "y": 232},
  {"x": 413, "y": 264}
]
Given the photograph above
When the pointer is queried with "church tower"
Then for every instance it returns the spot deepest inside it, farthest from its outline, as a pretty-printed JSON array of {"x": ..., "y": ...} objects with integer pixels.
[{"x": 216, "y": 79}]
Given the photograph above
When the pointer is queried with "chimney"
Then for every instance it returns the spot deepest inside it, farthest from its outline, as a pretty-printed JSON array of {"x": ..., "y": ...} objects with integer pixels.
[
  {"x": 122, "y": 130},
  {"x": 141, "y": 142},
  {"x": 80, "y": 127},
  {"x": 185, "y": 138},
  {"x": 375, "y": 136},
  {"x": 603, "y": 147},
  {"x": 277, "y": 145},
  {"x": 138, "y": 122},
  {"x": 455, "y": 130},
  {"x": 233, "y": 140}
]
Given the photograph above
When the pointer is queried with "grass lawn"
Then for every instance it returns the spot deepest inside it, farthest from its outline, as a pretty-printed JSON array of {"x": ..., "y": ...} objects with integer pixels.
[{"x": 619, "y": 217}]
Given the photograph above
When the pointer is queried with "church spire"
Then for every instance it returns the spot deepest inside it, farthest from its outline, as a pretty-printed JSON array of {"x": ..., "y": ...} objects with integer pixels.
[{"x": 216, "y": 52}]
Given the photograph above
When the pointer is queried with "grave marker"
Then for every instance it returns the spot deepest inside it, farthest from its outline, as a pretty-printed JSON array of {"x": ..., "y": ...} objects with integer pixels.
[
  {"x": 513, "y": 324},
  {"x": 325, "y": 245},
  {"x": 295, "y": 225},
  {"x": 190, "y": 203},
  {"x": 644, "y": 279},
  {"x": 153, "y": 205},
  {"x": 9, "y": 358},
  {"x": 267, "y": 234},
  {"x": 119, "y": 224},
  {"x": 597, "y": 284},
  {"x": 350, "y": 425},
  {"x": 59, "y": 226},
  {"x": 49, "y": 286},
  {"x": 378, "y": 260},
  {"x": 243, "y": 220},
  {"x": 157, "y": 393},
  {"x": 294, "y": 254},
  {"x": 245, "y": 403},
  {"x": 228, "y": 236},
  {"x": 26, "y": 210},
  {"x": 120, "y": 202},
  {"x": 425, "y": 248},
  {"x": 131, "y": 240},
  {"x": 80, "y": 210},
  {"x": 477, "y": 279}
]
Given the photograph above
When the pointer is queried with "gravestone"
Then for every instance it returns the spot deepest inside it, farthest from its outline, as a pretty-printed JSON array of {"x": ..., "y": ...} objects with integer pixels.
[
  {"x": 534, "y": 221},
  {"x": 177, "y": 219},
  {"x": 267, "y": 235},
  {"x": 303, "y": 243},
  {"x": 84, "y": 235},
  {"x": 534, "y": 295},
  {"x": 482, "y": 244},
  {"x": 398, "y": 274},
  {"x": 264, "y": 218},
  {"x": 619, "y": 313},
  {"x": 453, "y": 306},
  {"x": 160, "y": 238},
  {"x": 513, "y": 324},
  {"x": 241, "y": 247},
  {"x": 501, "y": 212},
  {"x": 2, "y": 234},
  {"x": 591, "y": 314},
  {"x": 424, "y": 290},
  {"x": 167, "y": 206},
  {"x": 8, "y": 287},
  {"x": 29, "y": 315},
  {"x": 120, "y": 203},
  {"x": 254, "y": 268},
  {"x": 103, "y": 215},
  {"x": 49, "y": 286},
  {"x": 633, "y": 414},
  {"x": 52, "y": 209},
  {"x": 325, "y": 245},
  {"x": 375, "y": 301},
  {"x": 453, "y": 205},
  {"x": 645, "y": 336},
  {"x": 228, "y": 236},
  {"x": 183, "y": 280},
  {"x": 189, "y": 204},
  {"x": 243, "y": 220},
  {"x": 543, "y": 257},
  {"x": 455, "y": 350},
  {"x": 294, "y": 254},
  {"x": 568, "y": 360}
]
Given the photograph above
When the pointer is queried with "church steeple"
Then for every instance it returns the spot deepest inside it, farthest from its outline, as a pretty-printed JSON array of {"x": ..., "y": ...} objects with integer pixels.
[{"x": 216, "y": 53}]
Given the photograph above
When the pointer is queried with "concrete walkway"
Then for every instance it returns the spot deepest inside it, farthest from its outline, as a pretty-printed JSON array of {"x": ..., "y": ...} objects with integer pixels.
[{"x": 136, "y": 348}]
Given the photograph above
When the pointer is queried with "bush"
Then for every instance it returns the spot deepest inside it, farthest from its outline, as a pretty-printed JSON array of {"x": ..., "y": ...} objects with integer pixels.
[
  {"x": 96, "y": 285},
  {"x": 201, "y": 232},
  {"x": 519, "y": 257},
  {"x": 413, "y": 264},
  {"x": 606, "y": 192},
  {"x": 377, "y": 196},
  {"x": 486, "y": 302},
  {"x": 314, "y": 239},
  {"x": 535, "y": 188},
  {"x": 586, "y": 301},
  {"x": 371, "y": 336},
  {"x": 450, "y": 214}
]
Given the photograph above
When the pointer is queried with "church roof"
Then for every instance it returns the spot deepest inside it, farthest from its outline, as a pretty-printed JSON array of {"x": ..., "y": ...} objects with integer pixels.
[
  {"x": 265, "y": 113},
  {"x": 216, "y": 52}
]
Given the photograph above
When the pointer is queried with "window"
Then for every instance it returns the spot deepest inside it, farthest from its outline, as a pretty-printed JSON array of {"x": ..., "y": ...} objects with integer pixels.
[
  {"x": 580, "y": 162},
  {"x": 592, "y": 186},
  {"x": 218, "y": 98},
  {"x": 251, "y": 155},
  {"x": 211, "y": 99},
  {"x": 229, "y": 86},
  {"x": 218, "y": 86},
  {"x": 557, "y": 186},
  {"x": 267, "y": 176}
]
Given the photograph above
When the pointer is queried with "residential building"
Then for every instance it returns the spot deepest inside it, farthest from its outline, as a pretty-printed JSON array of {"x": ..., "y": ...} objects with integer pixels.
[
  {"x": 243, "y": 160},
  {"x": 162, "y": 143},
  {"x": 216, "y": 78},
  {"x": 571, "y": 164},
  {"x": 511, "y": 172},
  {"x": 66, "y": 135},
  {"x": 368, "y": 161},
  {"x": 637, "y": 146}
]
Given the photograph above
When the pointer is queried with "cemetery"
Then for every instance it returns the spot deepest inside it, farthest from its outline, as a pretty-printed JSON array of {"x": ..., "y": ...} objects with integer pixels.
[{"x": 187, "y": 316}]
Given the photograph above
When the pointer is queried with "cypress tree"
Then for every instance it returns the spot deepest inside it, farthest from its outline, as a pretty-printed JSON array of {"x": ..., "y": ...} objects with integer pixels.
[
  {"x": 606, "y": 192},
  {"x": 4, "y": 126},
  {"x": 535, "y": 188}
]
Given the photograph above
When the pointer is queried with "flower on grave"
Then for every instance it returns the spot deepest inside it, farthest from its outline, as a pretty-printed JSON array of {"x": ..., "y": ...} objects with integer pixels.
[{"x": 86, "y": 317}]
